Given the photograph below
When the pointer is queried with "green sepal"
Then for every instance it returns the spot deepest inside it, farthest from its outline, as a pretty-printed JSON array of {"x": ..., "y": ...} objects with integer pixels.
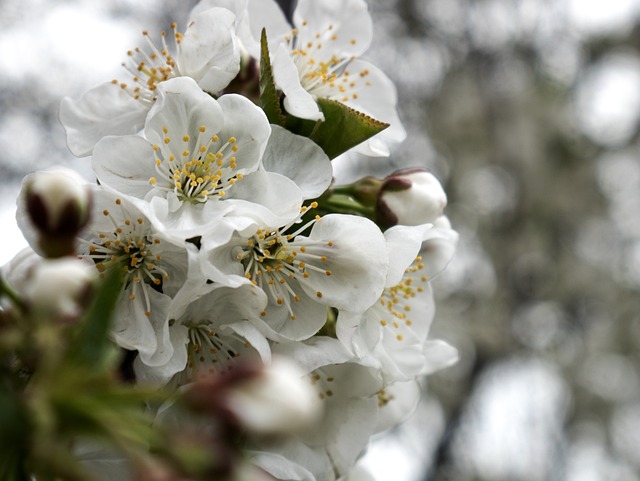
[
  {"x": 269, "y": 97},
  {"x": 91, "y": 344},
  {"x": 343, "y": 127}
]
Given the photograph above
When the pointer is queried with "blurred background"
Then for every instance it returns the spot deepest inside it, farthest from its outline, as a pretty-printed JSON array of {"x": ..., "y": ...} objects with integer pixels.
[{"x": 528, "y": 111}]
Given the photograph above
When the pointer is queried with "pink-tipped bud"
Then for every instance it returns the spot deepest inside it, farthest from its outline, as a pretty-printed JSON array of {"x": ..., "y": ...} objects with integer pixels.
[{"x": 410, "y": 197}]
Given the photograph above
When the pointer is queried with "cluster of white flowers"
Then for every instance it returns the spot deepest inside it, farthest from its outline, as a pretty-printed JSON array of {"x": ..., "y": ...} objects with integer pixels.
[{"x": 211, "y": 212}]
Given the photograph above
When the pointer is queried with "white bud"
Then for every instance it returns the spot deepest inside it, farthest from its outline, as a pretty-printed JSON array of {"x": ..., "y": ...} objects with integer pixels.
[
  {"x": 54, "y": 205},
  {"x": 57, "y": 189},
  {"x": 56, "y": 286},
  {"x": 412, "y": 197},
  {"x": 279, "y": 400}
]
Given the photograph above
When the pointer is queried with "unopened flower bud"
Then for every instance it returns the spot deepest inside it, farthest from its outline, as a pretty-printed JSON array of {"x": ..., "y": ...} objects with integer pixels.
[
  {"x": 279, "y": 400},
  {"x": 57, "y": 287},
  {"x": 58, "y": 203},
  {"x": 410, "y": 197}
]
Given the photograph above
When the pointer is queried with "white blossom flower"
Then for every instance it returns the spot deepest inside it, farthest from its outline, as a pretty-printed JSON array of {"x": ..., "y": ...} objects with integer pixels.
[
  {"x": 207, "y": 52},
  {"x": 209, "y": 329},
  {"x": 318, "y": 58},
  {"x": 264, "y": 14},
  {"x": 303, "y": 275},
  {"x": 121, "y": 236},
  {"x": 392, "y": 335},
  {"x": 200, "y": 161}
]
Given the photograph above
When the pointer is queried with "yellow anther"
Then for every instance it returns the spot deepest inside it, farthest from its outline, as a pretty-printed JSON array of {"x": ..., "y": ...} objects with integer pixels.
[
  {"x": 153, "y": 181},
  {"x": 186, "y": 138},
  {"x": 202, "y": 128}
]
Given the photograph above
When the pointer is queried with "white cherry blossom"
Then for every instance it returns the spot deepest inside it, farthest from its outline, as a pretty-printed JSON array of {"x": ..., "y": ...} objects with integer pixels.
[
  {"x": 393, "y": 334},
  {"x": 199, "y": 163},
  {"x": 122, "y": 236},
  {"x": 318, "y": 57},
  {"x": 302, "y": 275},
  {"x": 209, "y": 328},
  {"x": 208, "y": 52}
]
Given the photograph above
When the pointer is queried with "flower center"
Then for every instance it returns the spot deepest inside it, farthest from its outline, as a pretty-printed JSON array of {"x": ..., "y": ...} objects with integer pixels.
[
  {"x": 321, "y": 76},
  {"x": 324, "y": 382},
  {"x": 395, "y": 299},
  {"x": 148, "y": 69},
  {"x": 130, "y": 246},
  {"x": 196, "y": 169},
  {"x": 273, "y": 259},
  {"x": 209, "y": 352}
]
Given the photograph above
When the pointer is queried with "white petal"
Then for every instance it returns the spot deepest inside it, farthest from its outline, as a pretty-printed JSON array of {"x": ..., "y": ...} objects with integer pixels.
[
  {"x": 249, "y": 125},
  {"x": 253, "y": 336},
  {"x": 228, "y": 305},
  {"x": 104, "y": 110},
  {"x": 283, "y": 467},
  {"x": 358, "y": 269},
  {"x": 314, "y": 353},
  {"x": 182, "y": 107},
  {"x": 404, "y": 398},
  {"x": 183, "y": 220},
  {"x": 309, "y": 315},
  {"x": 361, "y": 333},
  {"x": 267, "y": 14},
  {"x": 403, "y": 244},
  {"x": 297, "y": 101},
  {"x": 270, "y": 198},
  {"x": 159, "y": 375},
  {"x": 299, "y": 159},
  {"x": 125, "y": 164},
  {"x": 209, "y": 52},
  {"x": 438, "y": 355},
  {"x": 376, "y": 96},
  {"x": 133, "y": 330},
  {"x": 437, "y": 250},
  {"x": 351, "y": 27}
]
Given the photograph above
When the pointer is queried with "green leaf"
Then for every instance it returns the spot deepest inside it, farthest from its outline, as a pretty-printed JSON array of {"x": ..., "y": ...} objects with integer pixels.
[
  {"x": 91, "y": 346},
  {"x": 14, "y": 437},
  {"x": 342, "y": 129},
  {"x": 269, "y": 98}
]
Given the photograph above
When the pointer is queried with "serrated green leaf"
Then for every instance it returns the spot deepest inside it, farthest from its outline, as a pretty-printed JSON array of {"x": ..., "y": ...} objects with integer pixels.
[
  {"x": 91, "y": 345},
  {"x": 343, "y": 127},
  {"x": 269, "y": 98}
]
